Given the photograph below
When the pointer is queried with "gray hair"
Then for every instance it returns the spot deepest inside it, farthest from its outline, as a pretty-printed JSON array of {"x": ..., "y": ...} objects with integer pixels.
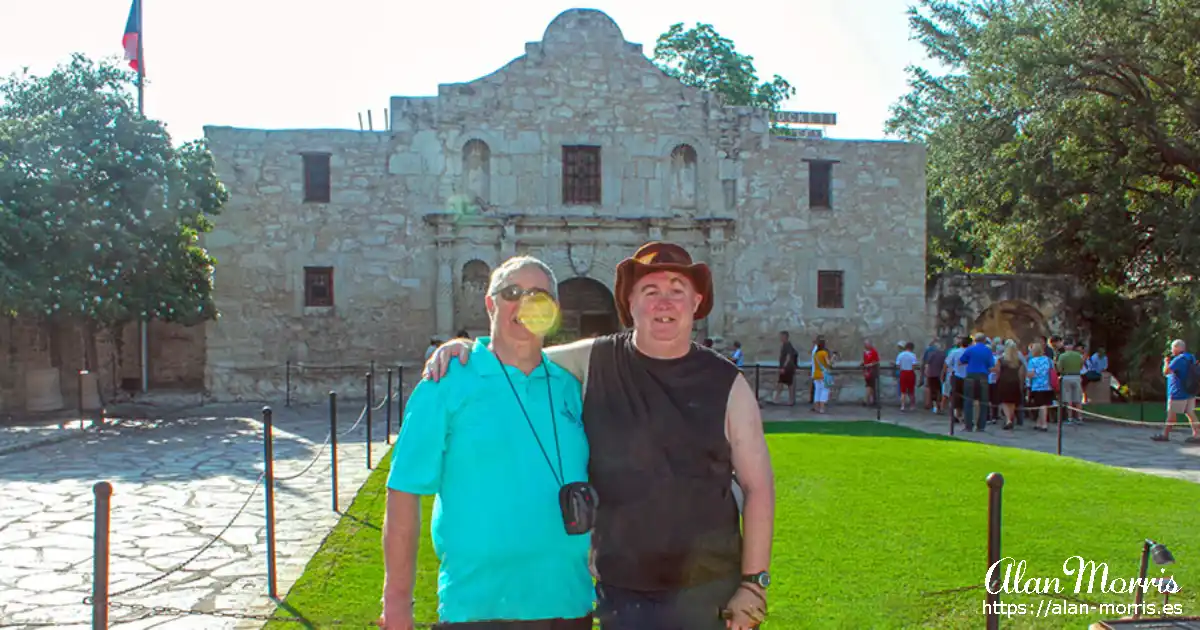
[
  {"x": 980, "y": 337},
  {"x": 1178, "y": 344},
  {"x": 501, "y": 274}
]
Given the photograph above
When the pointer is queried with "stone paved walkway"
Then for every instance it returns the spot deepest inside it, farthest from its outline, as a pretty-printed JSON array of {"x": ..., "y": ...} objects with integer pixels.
[
  {"x": 1122, "y": 445},
  {"x": 177, "y": 483}
]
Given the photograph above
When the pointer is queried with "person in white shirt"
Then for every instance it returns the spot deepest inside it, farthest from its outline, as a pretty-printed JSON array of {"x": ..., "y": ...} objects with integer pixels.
[
  {"x": 955, "y": 374},
  {"x": 906, "y": 364}
]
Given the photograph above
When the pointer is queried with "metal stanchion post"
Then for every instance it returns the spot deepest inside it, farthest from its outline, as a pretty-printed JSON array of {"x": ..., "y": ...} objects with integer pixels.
[
  {"x": 269, "y": 487},
  {"x": 287, "y": 379},
  {"x": 995, "y": 482},
  {"x": 1060, "y": 425},
  {"x": 370, "y": 403},
  {"x": 387, "y": 424},
  {"x": 399, "y": 397},
  {"x": 333, "y": 436},
  {"x": 757, "y": 381},
  {"x": 103, "y": 491},
  {"x": 951, "y": 409},
  {"x": 878, "y": 404}
]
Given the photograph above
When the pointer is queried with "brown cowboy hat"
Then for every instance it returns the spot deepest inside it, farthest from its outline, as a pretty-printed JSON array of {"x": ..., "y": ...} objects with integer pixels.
[{"x": 656, "y": 256}]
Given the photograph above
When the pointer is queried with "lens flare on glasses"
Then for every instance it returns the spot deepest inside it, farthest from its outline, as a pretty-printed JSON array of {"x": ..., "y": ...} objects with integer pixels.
[{"x": 539, "y": 313}]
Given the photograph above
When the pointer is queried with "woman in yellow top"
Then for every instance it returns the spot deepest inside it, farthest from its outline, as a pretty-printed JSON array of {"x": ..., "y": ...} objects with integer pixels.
[{"x": 821, "y": 367}]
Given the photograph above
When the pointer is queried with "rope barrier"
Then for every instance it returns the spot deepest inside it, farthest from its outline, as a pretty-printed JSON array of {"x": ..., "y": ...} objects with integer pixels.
[
  {"x": 361, "y": 415},
  {"x": 203, "y": 548}
]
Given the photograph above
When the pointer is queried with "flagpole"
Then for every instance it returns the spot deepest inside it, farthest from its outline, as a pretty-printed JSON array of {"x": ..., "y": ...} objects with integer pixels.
[
  {"x": 141, "y": 92},
  {"x": 141, "y": 82}
]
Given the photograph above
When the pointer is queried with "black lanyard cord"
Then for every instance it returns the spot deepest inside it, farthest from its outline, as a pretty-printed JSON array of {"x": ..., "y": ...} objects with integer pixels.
[{"x": 560, "y": 479}]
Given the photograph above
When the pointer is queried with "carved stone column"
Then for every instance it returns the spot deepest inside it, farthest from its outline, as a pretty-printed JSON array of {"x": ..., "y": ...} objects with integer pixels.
[
  {"x": 508, "y": 241},
  {"x": 717, "y": 262},
  {"x": 444, "y": 306}
]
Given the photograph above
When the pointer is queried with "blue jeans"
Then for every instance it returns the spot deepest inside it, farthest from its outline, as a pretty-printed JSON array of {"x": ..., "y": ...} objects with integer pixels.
[
  {"x": 975, "y": 388},
  {"x": 694, "y": 608}
]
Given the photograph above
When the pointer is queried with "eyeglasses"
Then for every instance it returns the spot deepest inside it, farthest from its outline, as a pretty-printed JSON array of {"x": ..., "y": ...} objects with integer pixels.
[{"x": 513, "y": 292}]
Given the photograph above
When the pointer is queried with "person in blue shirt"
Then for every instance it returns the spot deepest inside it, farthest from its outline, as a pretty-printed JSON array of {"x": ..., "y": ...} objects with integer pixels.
[
  {"x": 494, "y": 441},
  {"x": 1179, "y": 400},
  {"x": 979, "y": 361}
]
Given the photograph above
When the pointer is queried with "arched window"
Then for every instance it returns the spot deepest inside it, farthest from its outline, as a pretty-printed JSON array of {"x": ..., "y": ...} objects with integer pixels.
[
  {"x": 471, "y": 311},
  {"x": 477, "y": 172},
  {"x": 683, "y": 177}
]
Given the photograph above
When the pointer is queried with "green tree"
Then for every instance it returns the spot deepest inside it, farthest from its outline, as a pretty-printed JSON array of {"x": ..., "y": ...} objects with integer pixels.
[
  {"x": 1062, "y": 136},
  {"x": 100, "y": 215},
  {"x": 701, "y": 58}
]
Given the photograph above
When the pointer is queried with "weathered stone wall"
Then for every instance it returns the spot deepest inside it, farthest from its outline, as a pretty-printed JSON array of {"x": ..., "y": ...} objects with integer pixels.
[
  {"x": 1019, "y": 306},
  {"x": 176, "y": 359},
  {"x": 874, "y": 234},
  {"x": 472, "y": 176}
]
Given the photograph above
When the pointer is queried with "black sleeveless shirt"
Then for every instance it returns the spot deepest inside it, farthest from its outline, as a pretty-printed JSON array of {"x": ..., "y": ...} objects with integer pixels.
[{"x": 662, "y": 466}]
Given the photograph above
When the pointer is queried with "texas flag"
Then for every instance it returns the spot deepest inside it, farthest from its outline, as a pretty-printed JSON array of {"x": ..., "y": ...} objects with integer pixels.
[{"x": 133, "y": 35}]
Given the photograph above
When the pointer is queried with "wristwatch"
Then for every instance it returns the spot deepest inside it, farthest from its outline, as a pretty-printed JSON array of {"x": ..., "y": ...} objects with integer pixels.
[{"x": 762, "y": 578}]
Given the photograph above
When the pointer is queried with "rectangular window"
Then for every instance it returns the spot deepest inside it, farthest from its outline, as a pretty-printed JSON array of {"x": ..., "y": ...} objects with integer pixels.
[
  {"x": 317, "y": 177},
  {"x": 318, "y": 286},
  {"x": 820, "y": 185},
  {"x": 830, "y": 289},
  {"x": 581, "y": 175}
]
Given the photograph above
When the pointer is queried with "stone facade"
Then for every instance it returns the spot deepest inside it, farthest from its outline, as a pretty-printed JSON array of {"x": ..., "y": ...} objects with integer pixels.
[
  {"x": 1020, "y": 307},
  {"x": 418, "y": 215}
]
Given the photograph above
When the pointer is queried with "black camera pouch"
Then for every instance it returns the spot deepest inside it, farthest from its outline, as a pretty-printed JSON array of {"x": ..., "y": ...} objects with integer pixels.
[{"x": 578, "y": 502}]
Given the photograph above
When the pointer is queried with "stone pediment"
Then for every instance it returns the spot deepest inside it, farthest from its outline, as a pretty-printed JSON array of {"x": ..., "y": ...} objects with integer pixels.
[{"x": 582, "y": 53}]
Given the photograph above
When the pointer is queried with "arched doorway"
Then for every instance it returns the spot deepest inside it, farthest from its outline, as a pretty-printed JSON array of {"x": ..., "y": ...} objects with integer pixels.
[
  {"x": 588, "y": 309},
  {"x": 470, "y": 310},
  {"x": 1012, "y": 319}
]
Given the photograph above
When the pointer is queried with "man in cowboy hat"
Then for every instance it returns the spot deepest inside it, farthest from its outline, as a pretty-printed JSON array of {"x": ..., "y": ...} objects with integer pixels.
[{"x": 670, "y": 424}]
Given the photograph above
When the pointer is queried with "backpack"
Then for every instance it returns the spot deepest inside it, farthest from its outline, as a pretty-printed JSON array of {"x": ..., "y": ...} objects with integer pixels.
[{"x": 1191, "y": 382}]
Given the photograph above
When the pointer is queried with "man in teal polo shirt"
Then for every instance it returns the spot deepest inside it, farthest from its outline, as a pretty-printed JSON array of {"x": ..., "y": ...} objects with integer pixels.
[{"x": 495, "y": 442}]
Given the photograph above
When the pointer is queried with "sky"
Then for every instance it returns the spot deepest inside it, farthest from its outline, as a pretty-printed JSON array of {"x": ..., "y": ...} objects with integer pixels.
[{"x": 286, "y": 64}]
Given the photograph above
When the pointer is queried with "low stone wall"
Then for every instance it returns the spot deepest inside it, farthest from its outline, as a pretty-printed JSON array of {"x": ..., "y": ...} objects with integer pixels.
[{"x": 306, "y": 384}]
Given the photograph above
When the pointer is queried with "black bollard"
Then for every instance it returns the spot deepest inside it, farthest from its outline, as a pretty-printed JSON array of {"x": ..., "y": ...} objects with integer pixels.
[
  {"x": 370, "y": 403},
  {"x": 757, "y": 383},
  {"x": 995, "y": 482},
  {"x": 103, "y": 491},
  {"x": 269, "y": 486},
  {"x": 878, "y": 404},
  {"x": 1060, "y": 425},
  {"x": 387, "y": 425},
  {"x": 287, "y": 379},
  {"x": 951, "y": 410},
  {"x": 400, "y": 397},
  {"x": 333, "y": 435}
]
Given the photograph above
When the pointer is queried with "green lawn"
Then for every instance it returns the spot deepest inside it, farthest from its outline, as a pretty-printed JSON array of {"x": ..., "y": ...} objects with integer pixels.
[{"x": 871, "y": 518}]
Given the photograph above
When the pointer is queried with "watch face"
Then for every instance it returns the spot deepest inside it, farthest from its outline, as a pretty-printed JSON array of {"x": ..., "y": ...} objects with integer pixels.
[{"x": 764, "y": 579}]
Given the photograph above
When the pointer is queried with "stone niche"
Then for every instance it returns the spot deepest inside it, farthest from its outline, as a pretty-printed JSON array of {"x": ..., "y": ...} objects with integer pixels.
[{"x": 1019, "y": 306}]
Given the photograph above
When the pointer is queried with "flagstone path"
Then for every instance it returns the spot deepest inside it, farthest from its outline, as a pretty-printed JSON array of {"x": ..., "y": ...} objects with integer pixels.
[{"x": 176, "y": 484}]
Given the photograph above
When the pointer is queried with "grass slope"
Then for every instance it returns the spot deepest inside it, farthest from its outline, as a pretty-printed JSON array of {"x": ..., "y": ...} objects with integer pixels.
[{"x": 871, "y": 518}]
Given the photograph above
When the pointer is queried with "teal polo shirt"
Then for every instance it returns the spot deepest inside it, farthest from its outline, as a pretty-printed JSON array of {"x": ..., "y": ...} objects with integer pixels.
[{"x": 497, "y": 528}]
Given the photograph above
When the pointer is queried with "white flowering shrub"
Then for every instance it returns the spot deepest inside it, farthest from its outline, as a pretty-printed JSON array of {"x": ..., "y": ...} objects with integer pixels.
[{"x": 100, "y": 215}]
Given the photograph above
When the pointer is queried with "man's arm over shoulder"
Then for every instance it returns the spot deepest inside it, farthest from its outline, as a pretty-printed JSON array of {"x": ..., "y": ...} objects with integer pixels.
[
  {"x": 752, "y": 465},
  {"x": 573, "y": 357}
]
